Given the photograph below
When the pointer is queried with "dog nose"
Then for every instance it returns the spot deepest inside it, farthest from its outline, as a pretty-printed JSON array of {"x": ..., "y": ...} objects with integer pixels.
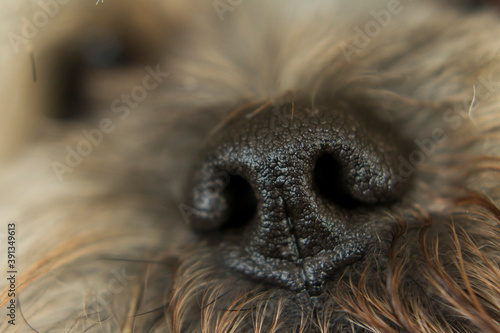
[{"x": 300, "y": 181}]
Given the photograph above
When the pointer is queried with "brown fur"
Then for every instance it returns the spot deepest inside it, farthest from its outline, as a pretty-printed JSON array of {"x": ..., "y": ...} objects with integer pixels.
[{"x": 105, "y": 246}]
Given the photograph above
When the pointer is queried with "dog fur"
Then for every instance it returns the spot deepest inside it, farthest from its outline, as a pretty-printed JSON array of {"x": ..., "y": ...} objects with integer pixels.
[{"x": 103, "y": 240}]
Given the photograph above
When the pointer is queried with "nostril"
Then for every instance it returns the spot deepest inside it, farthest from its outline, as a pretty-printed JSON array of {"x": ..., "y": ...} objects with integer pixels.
[
  {"x": 242, "y": 203},
  {"x": 329, "y": 181},
  {"x": 221, "y": 201}
]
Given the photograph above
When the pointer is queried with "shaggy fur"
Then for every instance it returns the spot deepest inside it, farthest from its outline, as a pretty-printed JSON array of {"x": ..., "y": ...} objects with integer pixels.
[{"x": 104, "y": 246}]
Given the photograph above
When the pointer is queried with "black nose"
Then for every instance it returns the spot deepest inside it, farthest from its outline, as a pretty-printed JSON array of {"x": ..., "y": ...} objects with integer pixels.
[{"x": 298, "y": 181}]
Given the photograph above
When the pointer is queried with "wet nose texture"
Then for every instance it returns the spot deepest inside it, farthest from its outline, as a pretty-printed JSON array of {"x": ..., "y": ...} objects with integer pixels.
[{"x": 294, "y": 188}]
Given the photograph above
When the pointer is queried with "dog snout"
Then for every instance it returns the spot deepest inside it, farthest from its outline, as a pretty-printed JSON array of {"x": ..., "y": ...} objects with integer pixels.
[{"x": 298, "y": 183}]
